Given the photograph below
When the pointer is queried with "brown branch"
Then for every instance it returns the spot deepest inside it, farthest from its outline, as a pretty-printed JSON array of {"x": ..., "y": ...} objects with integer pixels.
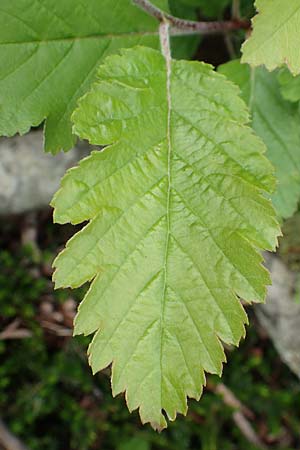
[
  {"x": 182, "y": 26},
  {"x": 232, "y": 401},
  {"x": 8, "y": 441},
  {"x": 21, "y": 333},
  {"x": 246, "y": 429},
  {"x": 240, "y": 415},
  {"x": 12, "y": 331},
  {"x": 58, "y": 330}
]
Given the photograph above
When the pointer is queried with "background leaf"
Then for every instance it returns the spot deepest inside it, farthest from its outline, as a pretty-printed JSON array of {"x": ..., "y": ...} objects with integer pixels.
[
  {"x": 215, "y": 9},
  {"x": 290, "y": 85},
  {"x": 175, "y": 217},
  {"x": 51, "y": 51},
  {"x": 274, "y": 36},
  {"x": 212, "y": 8},
  {"x": 187, "y": 47},
  {"x": 277, "y": 122}
]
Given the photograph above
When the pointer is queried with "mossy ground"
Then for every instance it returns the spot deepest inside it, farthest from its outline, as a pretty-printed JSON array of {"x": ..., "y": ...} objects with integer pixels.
[{"x": 50, "y": 400}]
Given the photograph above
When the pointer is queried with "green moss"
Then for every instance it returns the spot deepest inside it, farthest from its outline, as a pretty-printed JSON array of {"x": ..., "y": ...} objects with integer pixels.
[{"x": 49, "y": 398}]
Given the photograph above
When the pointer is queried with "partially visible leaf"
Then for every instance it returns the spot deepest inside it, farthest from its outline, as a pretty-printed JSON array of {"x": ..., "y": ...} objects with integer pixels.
[
  {"x": 277, "y": 122},
  {"x": 180, "y": 9},
  {"x": 184, "y": 48},
  {"x": 247, "y": 8},
  {"x": 215, "y": 8},
  {"x": 275, "y": 37},
  {"x": 290, "y": 85},
  {"x": 211, "y": 8},
  {"x": 162, "y": 4},
  {"x": 191, "y": 3},
  {"x": 176, "y": 215},
  {"x": 50, "y": 51}
]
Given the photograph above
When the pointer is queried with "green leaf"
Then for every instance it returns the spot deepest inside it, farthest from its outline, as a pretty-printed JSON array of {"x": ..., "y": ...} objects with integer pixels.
[
  {"x": 290, "y": 85},
  {"x": 50, "y": 51},
  {"x": 275, "y": 37},
  {"x": 276, "y": 121},
  {"x": 162, "y": 4},
  {"x": 216, "y": 8},
  {"x": 187, "y": 47},
  {"x": 212, "y": 8},
  {"x": 176, "y": 215}
]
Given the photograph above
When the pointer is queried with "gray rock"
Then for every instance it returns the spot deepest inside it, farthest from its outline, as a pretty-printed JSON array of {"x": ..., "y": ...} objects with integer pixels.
[
  {"x": 28, "y": 176},
  {"x": 280, "y": 316}
]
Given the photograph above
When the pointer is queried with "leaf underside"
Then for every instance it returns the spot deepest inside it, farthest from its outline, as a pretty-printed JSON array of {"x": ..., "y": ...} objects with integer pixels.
[
  {"x": 276, "y": 121},
  {"x": 176, "y": 217},
  {"x": 275, "y": 36},
  {"x": 50, "y": 51}
]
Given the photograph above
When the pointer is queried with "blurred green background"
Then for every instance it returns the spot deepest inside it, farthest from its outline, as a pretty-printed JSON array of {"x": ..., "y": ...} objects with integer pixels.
[{"x": 51, "y": 401}]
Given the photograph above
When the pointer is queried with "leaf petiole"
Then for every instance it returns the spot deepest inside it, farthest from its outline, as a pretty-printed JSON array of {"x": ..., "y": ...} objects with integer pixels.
[{"x": 177, "y": 25}]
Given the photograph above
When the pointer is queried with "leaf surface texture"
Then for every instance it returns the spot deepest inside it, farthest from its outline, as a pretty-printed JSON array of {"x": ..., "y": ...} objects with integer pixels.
[{"x": 176, "y": 217}]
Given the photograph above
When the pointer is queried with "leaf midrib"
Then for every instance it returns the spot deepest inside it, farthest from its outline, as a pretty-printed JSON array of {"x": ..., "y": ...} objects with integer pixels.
[{"x": 168, "y": 62}]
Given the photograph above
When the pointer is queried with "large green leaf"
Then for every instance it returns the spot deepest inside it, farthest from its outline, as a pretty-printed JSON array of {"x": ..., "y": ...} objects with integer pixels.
[
  {"x": 277, "y": 122},
  {"x": 176, "y": 215},
  {"x": 275, "y": 37},
  {"x": 50, "y": 51}
]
